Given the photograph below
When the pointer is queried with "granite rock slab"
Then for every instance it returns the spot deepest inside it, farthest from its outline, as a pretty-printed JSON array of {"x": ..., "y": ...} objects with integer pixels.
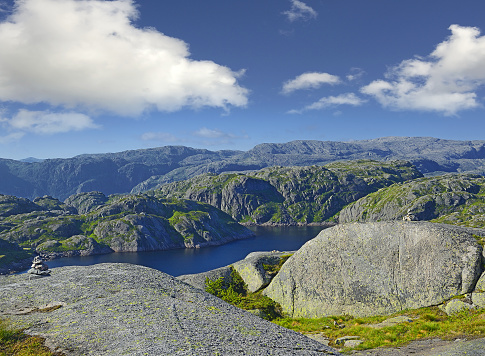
[{"x": 124, "y": 309}]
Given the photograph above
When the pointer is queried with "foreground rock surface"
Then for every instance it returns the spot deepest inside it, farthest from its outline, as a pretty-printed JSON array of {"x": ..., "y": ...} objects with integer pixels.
[
  {"x": 431, "y": 347},
  {"x": 123, "y": 309},
  {"x": 378, "y": 269}
]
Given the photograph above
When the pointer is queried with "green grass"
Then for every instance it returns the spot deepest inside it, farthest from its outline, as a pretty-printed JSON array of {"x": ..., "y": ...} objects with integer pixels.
[
  {"x": 15, "y": 342},
  {"x": 428, "y": 323},
  {"x": 274, "y": 269},
  {"x": 237, "y": 294}
]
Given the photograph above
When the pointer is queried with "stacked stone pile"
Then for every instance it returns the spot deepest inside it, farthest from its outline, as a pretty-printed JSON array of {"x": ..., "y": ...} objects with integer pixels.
[{"x": 39, "y": 267}]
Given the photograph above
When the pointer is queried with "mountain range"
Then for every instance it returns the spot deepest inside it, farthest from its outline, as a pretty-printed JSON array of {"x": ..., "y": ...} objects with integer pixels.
[{"x": 145, "y": 169}]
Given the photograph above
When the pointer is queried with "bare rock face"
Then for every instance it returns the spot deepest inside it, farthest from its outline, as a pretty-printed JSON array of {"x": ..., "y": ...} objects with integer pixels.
[
  {"x": 197, "y": 280},
  {"x": 378, "y": 268},
  {"x": 123, "y": 309},
  {"x": 252, "y": 269}
]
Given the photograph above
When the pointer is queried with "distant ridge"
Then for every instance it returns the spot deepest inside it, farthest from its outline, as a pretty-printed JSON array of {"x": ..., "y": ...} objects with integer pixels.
[
  {"x": 144, "y": 169},
  {"x": 31, "y": 160}
]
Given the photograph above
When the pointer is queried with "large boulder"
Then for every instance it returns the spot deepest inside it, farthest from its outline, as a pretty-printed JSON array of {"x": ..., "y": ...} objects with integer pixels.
[
  {"x": 255, "y": 268},
  {"x": 123, "y": 309},
  {"x": 378, "y": 268}
]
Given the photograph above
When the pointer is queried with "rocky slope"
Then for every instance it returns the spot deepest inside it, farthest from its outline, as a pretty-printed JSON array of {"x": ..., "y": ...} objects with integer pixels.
[
  {"x": 123, "y": 309},
  {"x": 454, "y": 198},
  {"x": 290, "y": 195},
  {"x": 142, "y": 170},
  {"x": 118, "y": 223}
]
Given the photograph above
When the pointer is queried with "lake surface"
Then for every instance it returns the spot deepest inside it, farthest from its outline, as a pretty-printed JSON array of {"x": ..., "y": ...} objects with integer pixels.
[{"x": 187, "y": 261}]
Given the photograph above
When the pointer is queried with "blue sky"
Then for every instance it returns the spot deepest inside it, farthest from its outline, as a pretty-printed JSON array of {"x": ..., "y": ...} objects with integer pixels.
[{"x": 91, "y": 76}]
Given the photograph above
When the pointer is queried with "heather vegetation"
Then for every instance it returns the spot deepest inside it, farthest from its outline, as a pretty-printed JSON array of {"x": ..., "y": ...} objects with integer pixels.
[{"x": 457, "y": 199}]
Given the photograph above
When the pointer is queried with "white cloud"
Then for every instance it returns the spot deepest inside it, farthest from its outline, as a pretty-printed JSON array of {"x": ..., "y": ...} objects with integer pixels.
[
  {"x": 3, "y": 6},
  {"x": 87, "y": 54},
  {"x": 160, "y": 136},
  {"x": 208, "y": 133},
  {"x": 300, "y": 11},
  {"x": 355, "y": 74},
  {"x": 444, "y": 82},
  {"x": 312, "y": 80},
  {"x": 15, "y": 136},
  {"x": 331, "y": 101},
  {"x": 44, "y": 122}
]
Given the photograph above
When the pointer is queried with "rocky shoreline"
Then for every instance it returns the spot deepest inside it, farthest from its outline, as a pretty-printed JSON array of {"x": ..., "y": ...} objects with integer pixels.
[
  {"x": 324, "y": 224},
  {"x": 19, "y": 266},
  {"x": 23, "y": 265}
]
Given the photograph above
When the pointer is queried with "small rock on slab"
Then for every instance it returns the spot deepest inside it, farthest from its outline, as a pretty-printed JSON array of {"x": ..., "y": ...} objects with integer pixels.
[
  {"x": 478, "y": 299},
  {"x": 455, "y": 306},
  {"x": 392, "y": 321},
  {"x": 344, "y": 339},
  {"x": 352, "y": 343},
  {"x": 320, "y": 337}
]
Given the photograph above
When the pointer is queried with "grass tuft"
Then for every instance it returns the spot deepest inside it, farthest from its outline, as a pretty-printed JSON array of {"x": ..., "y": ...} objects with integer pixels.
[{"x": 15, "y": 342}]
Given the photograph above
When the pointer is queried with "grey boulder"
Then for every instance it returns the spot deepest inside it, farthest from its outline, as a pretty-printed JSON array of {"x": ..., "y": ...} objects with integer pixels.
[
  {"x": 378, "y": 268},
  {"x": 197, "y": 280},
  {"x": 252, "y": 269}
]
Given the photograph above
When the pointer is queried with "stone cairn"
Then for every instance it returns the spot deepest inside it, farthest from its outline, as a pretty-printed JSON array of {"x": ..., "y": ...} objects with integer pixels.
[{"x": 39, "y": 267}]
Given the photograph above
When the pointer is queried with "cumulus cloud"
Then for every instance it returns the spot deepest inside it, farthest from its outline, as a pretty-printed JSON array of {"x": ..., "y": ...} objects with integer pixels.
[
  {"x": 331, "y": 101},
  {"x": 45, "y": 122},
  {"x": 160, "y": 136},
  {"x": 209, "y": 133},
  {"x": 300, "y": 11},
  {"x": 312, "y": 80},
  {"x": 87, "y": 54},
  {"x": 446, "y": 81}
]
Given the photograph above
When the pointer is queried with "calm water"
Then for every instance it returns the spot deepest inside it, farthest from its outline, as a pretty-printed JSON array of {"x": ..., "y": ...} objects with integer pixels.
[{"x": 186, "y": 261}]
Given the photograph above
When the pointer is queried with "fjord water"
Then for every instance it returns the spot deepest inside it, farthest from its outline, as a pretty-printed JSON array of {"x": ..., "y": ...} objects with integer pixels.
[{"x": 187, "y": 261}]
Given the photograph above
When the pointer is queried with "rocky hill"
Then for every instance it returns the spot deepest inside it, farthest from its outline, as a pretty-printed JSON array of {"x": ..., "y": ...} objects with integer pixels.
[
  {"x": 290, "y": 195},
  {"x": 91, "y": 223},
  {"x": 454, "y": 198},
  {"x": 142, "y": 170}
]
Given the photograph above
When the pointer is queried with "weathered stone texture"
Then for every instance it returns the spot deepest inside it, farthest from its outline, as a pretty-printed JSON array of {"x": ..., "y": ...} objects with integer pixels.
[
  {"x": 123, "y": 309},
  {"x": 378, "y": 268}
]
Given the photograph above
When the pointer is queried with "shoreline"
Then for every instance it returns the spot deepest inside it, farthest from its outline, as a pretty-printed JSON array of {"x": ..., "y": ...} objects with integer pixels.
[{"x": 20, "y": 266}]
